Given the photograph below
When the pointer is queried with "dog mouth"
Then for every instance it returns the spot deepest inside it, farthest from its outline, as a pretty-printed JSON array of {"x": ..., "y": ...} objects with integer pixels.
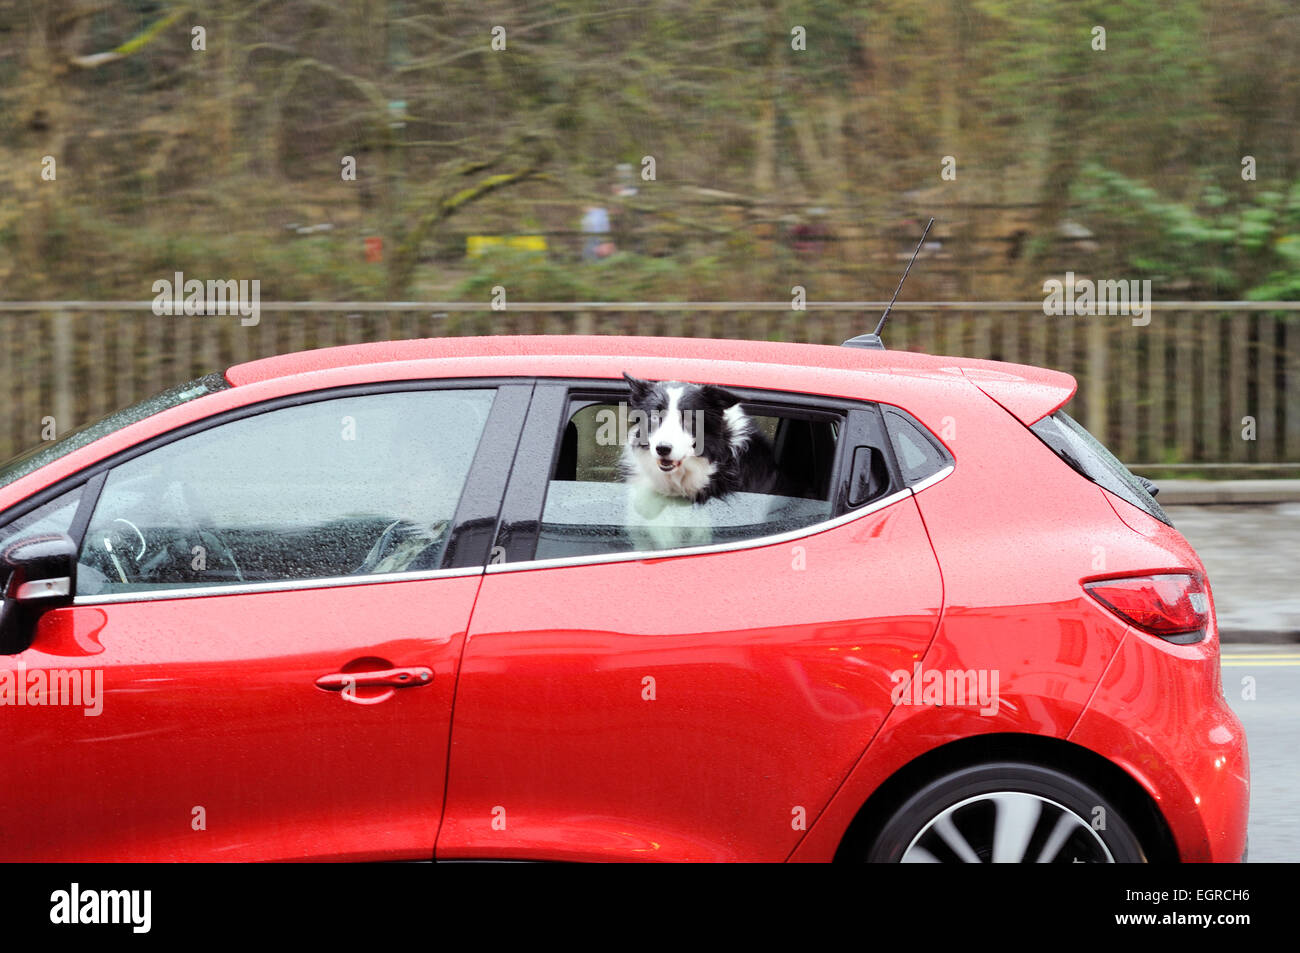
[{"x": 668, "y": 466}]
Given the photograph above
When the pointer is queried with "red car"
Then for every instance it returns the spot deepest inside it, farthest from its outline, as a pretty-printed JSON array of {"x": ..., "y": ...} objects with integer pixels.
[{"x": 384, "y": 602}]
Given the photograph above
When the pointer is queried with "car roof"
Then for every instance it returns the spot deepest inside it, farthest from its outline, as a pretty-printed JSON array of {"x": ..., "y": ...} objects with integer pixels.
[
  {"x": 1029, "y": 393},
  {"x": 931, "y": 387}
]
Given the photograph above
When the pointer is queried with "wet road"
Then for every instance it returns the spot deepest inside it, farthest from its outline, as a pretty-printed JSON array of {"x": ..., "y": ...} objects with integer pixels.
[
  {"x": 1251, "y": 554},
  {"x": 1272, "y": 720}
]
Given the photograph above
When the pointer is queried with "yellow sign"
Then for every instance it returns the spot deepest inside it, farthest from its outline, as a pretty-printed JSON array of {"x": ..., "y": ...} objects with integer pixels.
[{"x": 476, "y": 245}]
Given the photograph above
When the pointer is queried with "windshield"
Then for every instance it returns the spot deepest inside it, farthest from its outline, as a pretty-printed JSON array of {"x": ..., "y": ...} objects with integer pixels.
[{"x": 38, "y": 456}]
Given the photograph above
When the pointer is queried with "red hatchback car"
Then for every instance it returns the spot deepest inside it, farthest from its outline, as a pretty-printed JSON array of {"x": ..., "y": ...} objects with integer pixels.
[{"x": 384, "y": 602}]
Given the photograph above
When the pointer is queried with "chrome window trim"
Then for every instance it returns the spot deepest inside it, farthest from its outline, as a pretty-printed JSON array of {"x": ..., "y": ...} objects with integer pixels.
[
  {"x": 278, "y": 585},
  {"x": 755, "y": 543},
  {"x": 932, "y": 479},
  {"x": 290, "y": 585}
]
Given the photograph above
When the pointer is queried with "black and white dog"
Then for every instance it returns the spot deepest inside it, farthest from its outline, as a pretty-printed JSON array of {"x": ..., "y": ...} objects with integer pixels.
[{"x": 692, "y": 441}]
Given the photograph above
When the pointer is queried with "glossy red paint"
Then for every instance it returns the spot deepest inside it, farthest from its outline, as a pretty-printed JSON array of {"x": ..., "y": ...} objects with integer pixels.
[
  {"x": 755, "y": 709},
  {"x": 778, "y": 354},
  {"x": 1159, "y": 713},
  {"x": 1027, "y": 397},
  {"x": 1014, "y": 603},
  {"x": 214, "y": 740},
  {"x": 775, "y": 714}
]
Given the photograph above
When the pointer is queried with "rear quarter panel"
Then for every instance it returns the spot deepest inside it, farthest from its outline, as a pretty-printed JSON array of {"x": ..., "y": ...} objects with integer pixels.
[{"x": 1015, "y": 531}]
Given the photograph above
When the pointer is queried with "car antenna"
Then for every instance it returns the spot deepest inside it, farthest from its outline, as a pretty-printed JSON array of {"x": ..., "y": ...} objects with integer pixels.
[{"x": 872, "y": 340}]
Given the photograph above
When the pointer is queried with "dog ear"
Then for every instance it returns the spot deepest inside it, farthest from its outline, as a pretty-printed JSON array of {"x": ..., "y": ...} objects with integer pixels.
[
  {"x": 640, "y": 388},
  {"x": 718, "y": 398}
]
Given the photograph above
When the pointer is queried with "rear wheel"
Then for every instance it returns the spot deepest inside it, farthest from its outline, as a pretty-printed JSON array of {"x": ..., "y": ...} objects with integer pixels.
[{"x": 1008, "y": 812}]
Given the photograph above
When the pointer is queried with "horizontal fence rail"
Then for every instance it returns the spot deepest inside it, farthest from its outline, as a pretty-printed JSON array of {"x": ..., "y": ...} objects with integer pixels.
[
  {"x": 1210, "y": 385},
  {"x": 739, "y": 307}
]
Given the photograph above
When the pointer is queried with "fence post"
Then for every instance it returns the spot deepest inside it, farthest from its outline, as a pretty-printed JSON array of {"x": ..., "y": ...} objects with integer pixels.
[
  {"x": 1265, "y": 363},
  {"x": 63, "y": 377},
  {"x": 1125, "y": 385},
  {"x": 1291, "y": 387},
  {"x": 1213, "y": 369},
  {"x": 1097, "y": 411},
  {"x": 1185, "y": 397},
  {"x": 1237, "y": 396},
  {"x": 9, "y": 441},
  {"x": 1156, "y": 430}
]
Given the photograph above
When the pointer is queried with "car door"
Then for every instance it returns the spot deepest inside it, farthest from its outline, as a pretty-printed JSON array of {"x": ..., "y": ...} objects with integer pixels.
[
  {"x": 269, "y": 617},
  {"x": 622, "y": 701}
]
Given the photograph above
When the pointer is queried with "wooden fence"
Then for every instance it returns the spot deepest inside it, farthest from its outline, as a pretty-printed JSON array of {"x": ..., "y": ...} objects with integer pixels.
[{"x": 1177, "y": 391}]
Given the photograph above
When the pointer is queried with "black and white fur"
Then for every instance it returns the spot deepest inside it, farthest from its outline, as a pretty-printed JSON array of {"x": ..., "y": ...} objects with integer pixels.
[{"x": 693, "y": 442}]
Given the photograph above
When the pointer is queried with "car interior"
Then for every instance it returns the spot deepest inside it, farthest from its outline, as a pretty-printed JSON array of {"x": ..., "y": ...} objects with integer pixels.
[
  {"x": 804, "y": 449},
  {"x": 590, "y": 510}
]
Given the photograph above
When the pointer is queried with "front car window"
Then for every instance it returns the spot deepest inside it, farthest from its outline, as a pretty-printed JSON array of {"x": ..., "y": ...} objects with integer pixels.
[
  {"x": 52, "y": 517},
  {"x": 349, "y": 486},
  {"x": 49, "y": 518}
]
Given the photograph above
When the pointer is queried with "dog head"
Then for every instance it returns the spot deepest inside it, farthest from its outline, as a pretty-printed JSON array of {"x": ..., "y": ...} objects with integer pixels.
[{"x": 672, "y": 425}]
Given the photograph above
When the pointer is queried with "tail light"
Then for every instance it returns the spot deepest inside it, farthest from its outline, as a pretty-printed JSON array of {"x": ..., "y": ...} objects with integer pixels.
[{"x": 1174, "y": 606}]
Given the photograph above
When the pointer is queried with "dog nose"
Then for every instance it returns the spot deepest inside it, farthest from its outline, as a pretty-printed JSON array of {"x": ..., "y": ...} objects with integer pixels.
[{"x": 663, "y": 449}]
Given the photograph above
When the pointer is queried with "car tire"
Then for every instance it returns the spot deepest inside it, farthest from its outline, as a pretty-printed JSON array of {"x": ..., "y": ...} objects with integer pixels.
[{"x": 1006, "y": 812}]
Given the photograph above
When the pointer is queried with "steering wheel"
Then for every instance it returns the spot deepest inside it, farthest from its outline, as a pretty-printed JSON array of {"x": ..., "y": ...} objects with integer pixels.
[
  {"x": 196, "y": 516},
  {"x": 216, "y": 544},
  {"x": 402, "y": 534},
  {"x": 124, "y": 546},
  {"x": 383, "y": 545}
]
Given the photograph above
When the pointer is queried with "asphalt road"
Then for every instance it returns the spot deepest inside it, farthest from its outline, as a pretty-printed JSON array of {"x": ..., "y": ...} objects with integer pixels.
[
  {"x": 1250, "y": 554},
  {"x": 1272, "y": 721}
]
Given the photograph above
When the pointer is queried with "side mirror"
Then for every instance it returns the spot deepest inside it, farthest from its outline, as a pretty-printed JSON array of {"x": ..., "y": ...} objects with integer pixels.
[{"x": 41, "y": 574}]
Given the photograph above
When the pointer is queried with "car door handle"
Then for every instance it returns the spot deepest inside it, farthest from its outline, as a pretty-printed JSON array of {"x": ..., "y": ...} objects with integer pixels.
[{"x": 386, "y": 678}]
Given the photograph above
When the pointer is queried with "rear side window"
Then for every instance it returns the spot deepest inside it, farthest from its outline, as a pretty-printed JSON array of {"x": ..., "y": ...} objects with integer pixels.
[
  {"x": 599, "y": 518},
  {"x": 1084, "y": 453},
  {"x": 920, "y": 456}
]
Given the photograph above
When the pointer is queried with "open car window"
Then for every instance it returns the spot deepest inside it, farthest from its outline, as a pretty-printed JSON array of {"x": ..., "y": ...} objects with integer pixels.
[
  {"x": 597, "y": 518},
  {"x": 591, "y": 510}
]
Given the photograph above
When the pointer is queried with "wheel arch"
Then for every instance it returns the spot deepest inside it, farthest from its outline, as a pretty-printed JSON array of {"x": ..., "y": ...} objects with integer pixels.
[{"x": 1139, "y": 809}]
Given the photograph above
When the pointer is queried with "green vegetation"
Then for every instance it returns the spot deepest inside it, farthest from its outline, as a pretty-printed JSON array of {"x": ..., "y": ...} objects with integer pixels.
[
  {"x": 1214, "y": 247},
  {"x": 190, "y": 136}
]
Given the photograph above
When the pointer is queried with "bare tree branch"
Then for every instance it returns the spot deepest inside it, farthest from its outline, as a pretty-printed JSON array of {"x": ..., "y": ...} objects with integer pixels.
[{"x": 133, "y": 45}]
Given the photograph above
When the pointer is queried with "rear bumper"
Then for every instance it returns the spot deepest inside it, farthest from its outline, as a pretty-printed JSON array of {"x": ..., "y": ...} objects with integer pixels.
[{"x": 1160, "y": 715}]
